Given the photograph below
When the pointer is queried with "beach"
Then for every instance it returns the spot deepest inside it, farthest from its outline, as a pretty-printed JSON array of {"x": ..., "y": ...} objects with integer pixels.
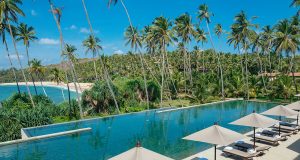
[{"x": 81, "y": 86}]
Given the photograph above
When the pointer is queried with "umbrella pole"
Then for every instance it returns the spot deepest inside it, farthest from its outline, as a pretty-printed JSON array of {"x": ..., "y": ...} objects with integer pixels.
[
  {"x": 254, "y": 137},
  {"x": 298, "y": 118},
  {"x": 215, "y": 152},
  {"x": 279, "y": 124}
]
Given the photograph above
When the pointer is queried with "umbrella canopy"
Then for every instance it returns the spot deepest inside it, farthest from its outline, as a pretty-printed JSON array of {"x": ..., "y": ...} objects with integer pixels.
[
  {"x": 140, "y": 153},
  {"x": 280, "y": 111},
  {"x": 215, "y": 135},
  {"x": 255, "y": 120},
  {"x": 294, "y": 106}
]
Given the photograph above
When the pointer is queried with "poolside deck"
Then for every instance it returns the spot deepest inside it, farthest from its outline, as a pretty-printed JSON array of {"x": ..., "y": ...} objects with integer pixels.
[{"x": 287, "y": 150}]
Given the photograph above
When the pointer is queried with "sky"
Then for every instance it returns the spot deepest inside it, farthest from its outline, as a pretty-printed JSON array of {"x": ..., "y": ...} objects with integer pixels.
[{"x": 110, "y": 23}]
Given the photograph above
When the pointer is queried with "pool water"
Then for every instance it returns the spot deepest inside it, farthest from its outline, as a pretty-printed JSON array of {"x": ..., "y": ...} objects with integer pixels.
[
  {"x": 54, "y": 93},
  {"x": 160, "y": 132}
]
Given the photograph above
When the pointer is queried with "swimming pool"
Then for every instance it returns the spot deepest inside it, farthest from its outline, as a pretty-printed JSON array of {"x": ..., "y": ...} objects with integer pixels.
[
  {"x": 161, "y": 132},
  {"x": 54, "y": 93}
]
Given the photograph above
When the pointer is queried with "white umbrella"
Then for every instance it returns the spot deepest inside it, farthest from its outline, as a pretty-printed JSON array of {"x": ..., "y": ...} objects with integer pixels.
[
  {"x": 295, "y": 106},
  {"x": 280, "y": 111},
  {"x": 216, "y": 135},
  {"x": 255, "y": 120},
  {"x": 140, "y": 153}
]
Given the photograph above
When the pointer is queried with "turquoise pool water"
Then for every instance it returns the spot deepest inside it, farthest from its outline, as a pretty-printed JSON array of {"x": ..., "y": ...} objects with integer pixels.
[
  {"x": 53, "y": 92},
  {"x": 160, "y": 132}
]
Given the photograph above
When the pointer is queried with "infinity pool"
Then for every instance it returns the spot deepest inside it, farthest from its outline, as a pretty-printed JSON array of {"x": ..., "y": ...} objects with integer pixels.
[
  {"x": 161, "y": 132},
  {"x": 54, "y": 93}
]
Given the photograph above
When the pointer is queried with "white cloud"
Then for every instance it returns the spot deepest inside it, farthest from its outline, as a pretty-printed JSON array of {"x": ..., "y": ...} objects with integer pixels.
[
  {"x": 84, "y": 30},
  {"x": 73, "y": 27},
  {"x": 15, "y": 57},
  {"x": 87, "y": 31},
  {"x": 33, "y": 13},
  {"x": 48, "y": 41},
  {"x": 119, "y": 52}
]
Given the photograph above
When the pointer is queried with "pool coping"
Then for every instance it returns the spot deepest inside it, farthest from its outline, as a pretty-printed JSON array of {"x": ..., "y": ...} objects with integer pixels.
[{"x": 35, "y": 138}]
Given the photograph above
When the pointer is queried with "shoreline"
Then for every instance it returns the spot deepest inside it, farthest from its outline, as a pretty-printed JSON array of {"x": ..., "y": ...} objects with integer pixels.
[{"x": 83, "y": 86}]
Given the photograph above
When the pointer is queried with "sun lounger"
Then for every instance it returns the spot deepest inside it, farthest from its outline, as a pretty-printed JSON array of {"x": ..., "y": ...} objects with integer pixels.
[
  {"x": 274, "y": 133},
  {"x": 290, "y": 125},
  {"x": 286, "y": 128},
  {"x": 245, "y": 146},
  {"x": 271, "y": 140},
  {"x": 238, "y": 153}
]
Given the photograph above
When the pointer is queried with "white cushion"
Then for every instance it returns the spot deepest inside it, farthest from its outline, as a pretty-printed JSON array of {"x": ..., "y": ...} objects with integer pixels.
[{"x": 228, "y": 148}]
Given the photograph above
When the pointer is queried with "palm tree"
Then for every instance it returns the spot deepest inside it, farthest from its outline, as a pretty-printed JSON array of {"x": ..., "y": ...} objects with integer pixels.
[
  {"x": 35, "y": 66},
  {"x": 296, "y": 3},
  {"x": 69, "y": 55},
  {"x": 163, "y": 35},
  {"x": 134, "y": 33},
  {"x": 26, "y": 34},
  {"x": 287, "y": 40},
  {"x": 3, "y": 29},
  {"x": 9, "y": 10},
  {"x": 92, "y": 45},
  {"x": 219, "y": 31},
  {"x": 242, "y": 28},
  {"x": 185, "y": 29},
  {"x": 204, "y": 14},
  {"x": 135, "y": 40},
  {"x": 57, "y": 13},
  {"x": 200, "y": 36},
  {"x": 267, "y": 40},
  {"x": 106, "y": 75},
  {"x": 57, "y": 76}
]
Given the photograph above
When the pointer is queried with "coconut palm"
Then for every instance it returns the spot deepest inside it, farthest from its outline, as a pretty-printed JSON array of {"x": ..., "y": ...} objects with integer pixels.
[
  {"x": 9, "y": 11},
  {"x": 35, "y": 66},
  {"x": 185, "y": 30},
  {"x": 92, "y": 45},
  {"x": 204, "y": 14},
  {"x": 267, "y": 36},
  {"x": 56, "y": 13},
  {"x": 135, "y": 40},
  {"x": 3, "y": 30},
  {"x": 69, "y": 55},
  {"x": 26, "y": 34},
  {"x": 57, "y": 76},
  {"x": 106, "y": 75},
  {"x": 286, "y": 40},
  {"x": 200, "y": 37},
  {"x": 163, "y": 35},
  {"x": 242, "y": 28}
]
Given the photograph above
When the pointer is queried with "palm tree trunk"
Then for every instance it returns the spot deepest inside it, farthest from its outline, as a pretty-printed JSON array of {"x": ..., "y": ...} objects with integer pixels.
[
  {"x": 293, "y": 72},
  {"x": 140, "y": 54},
  {"x": 219, "y": 63},
  {"x": 75, "y": 85},
  {"x": 261, "y": 70},
  {"x": 246, "y": 67},
  {"x": 12, "y": 67},
  {"x": 162, "y": 73},
  {"x": 95, "y": 69},
  {"x": 106, "y": 75},
  {"x": 28, "y": 63},
  {"x": 243, "y": 76},
  {"x": 61, "y": 47},
  {"x": 42, "y": 85},
  {"x": 18, "y": 57}
]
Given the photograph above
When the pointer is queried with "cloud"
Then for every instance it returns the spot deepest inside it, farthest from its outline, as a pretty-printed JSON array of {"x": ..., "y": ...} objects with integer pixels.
[
  {"x": 15, "y": 57},
  {"x": 73, "y": 27},
  {"x": 33, "y": 13},
  {"x": 48, "y": 41},
  {"x": 87, "y": 31},
  {"x": 84, "y": 30},
  {"x": 119, "y": 52}
]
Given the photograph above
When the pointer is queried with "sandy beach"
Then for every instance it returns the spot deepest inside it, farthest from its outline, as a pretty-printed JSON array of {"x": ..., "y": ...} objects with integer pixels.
[{"x": 82, "y": 86}]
